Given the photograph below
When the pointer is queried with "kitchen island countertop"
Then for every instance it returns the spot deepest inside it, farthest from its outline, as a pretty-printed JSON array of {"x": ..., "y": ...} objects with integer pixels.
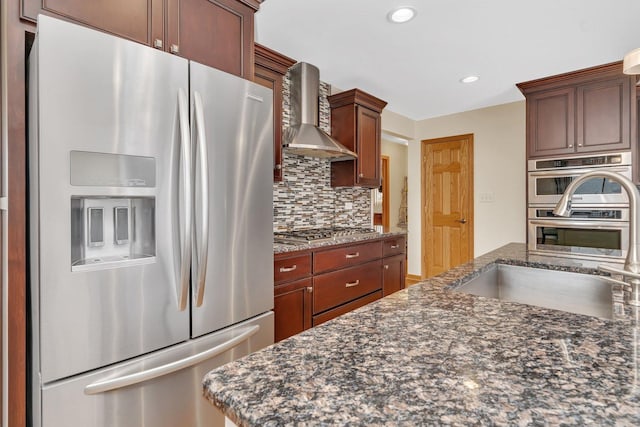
[{"x": 430, "y": 356}]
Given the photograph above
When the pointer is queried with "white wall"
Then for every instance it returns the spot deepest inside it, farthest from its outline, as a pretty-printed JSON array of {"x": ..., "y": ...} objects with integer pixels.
[
  {"x": 397, "y": 171},
  {"x": 499, "y": 169}
]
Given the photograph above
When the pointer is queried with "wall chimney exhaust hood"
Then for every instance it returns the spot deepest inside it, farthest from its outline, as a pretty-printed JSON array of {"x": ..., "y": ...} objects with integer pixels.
[{"x": 304, "y": 137}]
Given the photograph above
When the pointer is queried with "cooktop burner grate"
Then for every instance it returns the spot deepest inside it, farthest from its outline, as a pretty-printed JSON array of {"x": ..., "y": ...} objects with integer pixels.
[{"x": 319, "y": 234}]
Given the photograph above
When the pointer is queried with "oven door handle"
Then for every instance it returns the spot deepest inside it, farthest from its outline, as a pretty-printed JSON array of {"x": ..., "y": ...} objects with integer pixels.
[
  {"x": 567, "y": 223},
  {"x": 576, "y": 172}
]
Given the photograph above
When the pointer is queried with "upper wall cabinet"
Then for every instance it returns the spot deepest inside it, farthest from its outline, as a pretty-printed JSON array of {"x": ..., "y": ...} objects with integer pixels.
[
  {"x": 271, "y": 67},
  {"x": 356, "y": 124},
  {"x": 218, "y": 33},
  {"x": 586, "y": 111}
]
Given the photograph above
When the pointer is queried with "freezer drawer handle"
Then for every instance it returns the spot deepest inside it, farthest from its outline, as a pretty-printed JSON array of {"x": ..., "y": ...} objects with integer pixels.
[
  {"x": 202, "y": 253},
  {"x": 138, "y": 377}
]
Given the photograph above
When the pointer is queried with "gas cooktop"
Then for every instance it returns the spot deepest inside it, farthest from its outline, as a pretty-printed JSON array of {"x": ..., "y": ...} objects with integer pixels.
[{"x": 320, "y": 234}]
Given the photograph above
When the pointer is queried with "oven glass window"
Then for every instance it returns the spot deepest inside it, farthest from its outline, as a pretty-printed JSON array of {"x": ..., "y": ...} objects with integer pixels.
[
  {"x": 556, "y": 186},
  {"x": 579, "y": 238}
]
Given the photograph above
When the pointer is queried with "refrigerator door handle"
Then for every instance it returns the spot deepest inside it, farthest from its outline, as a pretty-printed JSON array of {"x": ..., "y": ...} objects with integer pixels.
[
  {"x": 203, "y": 251},
  {"x": 131, "y": 379},
  {"x": 185, "y": 152}
]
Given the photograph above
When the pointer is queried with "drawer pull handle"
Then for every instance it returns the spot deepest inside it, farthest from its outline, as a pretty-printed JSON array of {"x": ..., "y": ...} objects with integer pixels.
[
  {"x": 395, "y": 246},
  {"x": 352, "y": 284},
  {"x": 288, "y": 269},
  {"x": 354, "y": 255}
]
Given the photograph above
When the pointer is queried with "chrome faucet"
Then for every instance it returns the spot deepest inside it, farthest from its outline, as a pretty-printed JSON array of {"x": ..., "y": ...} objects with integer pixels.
[{"x": 632, "y": 263}]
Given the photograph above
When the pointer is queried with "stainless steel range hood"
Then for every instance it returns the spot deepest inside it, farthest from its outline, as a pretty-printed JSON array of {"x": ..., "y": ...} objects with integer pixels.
[{"x": 303, "y": 136}]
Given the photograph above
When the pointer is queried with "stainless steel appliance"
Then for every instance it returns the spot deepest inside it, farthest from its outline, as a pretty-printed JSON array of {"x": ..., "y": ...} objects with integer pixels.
[
  {"x": 150, "y": 229},
  {"x": 548, "y": 178},
  {"x": 598, "y": 226},
  {"x": 590, "y": 232}
]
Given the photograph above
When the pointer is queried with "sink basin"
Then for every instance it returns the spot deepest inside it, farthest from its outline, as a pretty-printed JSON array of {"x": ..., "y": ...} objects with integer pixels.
[{"x": 559, "y": 290}]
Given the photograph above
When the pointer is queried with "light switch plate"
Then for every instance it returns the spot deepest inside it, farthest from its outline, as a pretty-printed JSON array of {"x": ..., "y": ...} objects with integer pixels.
[{"x": 489, "y": 197}]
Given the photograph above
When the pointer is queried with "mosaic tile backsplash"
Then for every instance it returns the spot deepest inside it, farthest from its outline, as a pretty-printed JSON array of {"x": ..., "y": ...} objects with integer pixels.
[{"x": 305, "y": 198}]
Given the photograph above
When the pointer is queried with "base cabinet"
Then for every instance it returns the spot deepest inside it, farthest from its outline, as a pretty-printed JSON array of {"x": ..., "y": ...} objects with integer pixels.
[
  {"x": 393, "y": 275},
  {"x": 312, "y": 287},
  {"x": 292, "y": 307}
]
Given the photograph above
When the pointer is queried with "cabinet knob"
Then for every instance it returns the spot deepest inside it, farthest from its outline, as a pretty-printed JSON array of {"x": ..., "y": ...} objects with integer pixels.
[
  {"x": 278, "y": 167},
  {"x": 175, "y": 48},
  {"x": 570, "y": 145},
  {"x": 579, "y": 145},
  {"x": 386, "y": 266},
  {"x": 361, "y": 175},
  {"x": 310, "y": 289},
  {"x": 157, "y": 43}
]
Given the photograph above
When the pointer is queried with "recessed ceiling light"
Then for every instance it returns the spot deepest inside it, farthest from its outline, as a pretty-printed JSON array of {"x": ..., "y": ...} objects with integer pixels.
[
  {"x": 401, "y": 15},
  {"x": 469, "y": 79}
]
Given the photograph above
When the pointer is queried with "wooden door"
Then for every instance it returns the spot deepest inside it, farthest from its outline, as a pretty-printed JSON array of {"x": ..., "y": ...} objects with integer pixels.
[
  {"x": 447, "y": 197},
  {"x": 381, "y": 196},
  {"x": 217, "y": 33}
]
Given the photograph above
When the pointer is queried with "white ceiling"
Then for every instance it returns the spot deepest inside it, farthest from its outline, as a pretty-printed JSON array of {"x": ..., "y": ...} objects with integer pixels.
[{"x": 417, "y": 66}]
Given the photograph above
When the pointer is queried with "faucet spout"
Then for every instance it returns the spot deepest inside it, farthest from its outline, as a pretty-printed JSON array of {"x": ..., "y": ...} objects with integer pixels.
[{"x": 563, "y": 208}]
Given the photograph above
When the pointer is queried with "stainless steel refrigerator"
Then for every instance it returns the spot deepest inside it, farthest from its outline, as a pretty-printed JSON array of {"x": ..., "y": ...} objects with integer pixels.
[{"x": 150, "y": 229}]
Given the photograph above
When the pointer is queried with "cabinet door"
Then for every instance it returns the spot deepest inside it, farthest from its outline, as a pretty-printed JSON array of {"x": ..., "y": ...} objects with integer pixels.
[
  {"x": 551, "y": 122},
  {"x": 392, "y": 274},
  {"x": 368, "y": 148},
  {"x": 137, "y": 20},
  {"x": 604, "y": 116},
  {"x": 217, "y": 33},
  {"x": 272, "y": 80},
  {"x": 292, "y": 308}
]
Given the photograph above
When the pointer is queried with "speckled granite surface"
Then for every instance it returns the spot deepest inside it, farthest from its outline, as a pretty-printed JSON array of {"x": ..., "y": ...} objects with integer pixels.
[
  {"x": 430, "y": 356},
  {"x": 279, "y": 248}
]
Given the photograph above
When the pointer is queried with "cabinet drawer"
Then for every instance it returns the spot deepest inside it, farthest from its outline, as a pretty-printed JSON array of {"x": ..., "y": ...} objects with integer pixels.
[
  {"x": 393, "y": 246},
  {"x": 346, "y": 256},
  {"x": 338, "y": 287},
  {"x": 345, "y": 308},
  {"x": 292, "y": 268}
]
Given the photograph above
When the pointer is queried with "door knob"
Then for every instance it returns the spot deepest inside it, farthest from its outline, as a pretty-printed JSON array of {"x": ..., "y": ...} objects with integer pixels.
[{"x": 462, "y": 221}]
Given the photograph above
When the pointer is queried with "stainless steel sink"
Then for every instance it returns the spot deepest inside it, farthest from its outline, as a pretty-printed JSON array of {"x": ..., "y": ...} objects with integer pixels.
[{"x": 559, "y": 290}]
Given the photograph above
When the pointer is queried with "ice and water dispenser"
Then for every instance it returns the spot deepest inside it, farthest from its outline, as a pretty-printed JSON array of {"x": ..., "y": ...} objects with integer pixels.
[{"x": 113, "y": 225}]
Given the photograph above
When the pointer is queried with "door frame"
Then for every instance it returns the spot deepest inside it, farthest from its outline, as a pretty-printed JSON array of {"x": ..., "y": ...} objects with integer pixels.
[{"x": 424, "y": 238}]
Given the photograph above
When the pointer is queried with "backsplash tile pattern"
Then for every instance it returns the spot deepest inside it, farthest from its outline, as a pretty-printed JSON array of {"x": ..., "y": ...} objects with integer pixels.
[{"x": 305, "y": 198}]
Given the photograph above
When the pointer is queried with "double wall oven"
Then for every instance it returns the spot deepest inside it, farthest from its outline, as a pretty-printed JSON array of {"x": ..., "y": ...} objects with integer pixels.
[{"x": 598, "y": 227}]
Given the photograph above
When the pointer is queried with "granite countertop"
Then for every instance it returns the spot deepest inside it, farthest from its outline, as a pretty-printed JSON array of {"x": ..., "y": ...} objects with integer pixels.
[
  {"x": 279, "y": 248},
  {"x": 431, "y": 356}
]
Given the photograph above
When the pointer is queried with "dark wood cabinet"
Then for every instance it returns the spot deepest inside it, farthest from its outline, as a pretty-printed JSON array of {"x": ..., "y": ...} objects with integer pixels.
[
  {"x": 218, "y": 33},
  {"x": 292, "y": 308},
  {"x": 356, "y": 124},
  {"x": 393, "y": 264},
  {"x": 393, "y": 274},
  {"x": 270, "y": 68},
  {"x": 590, "y": 110},
  {"x": 312, "y": 287},
  {"x": 292, "y": 294}
]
